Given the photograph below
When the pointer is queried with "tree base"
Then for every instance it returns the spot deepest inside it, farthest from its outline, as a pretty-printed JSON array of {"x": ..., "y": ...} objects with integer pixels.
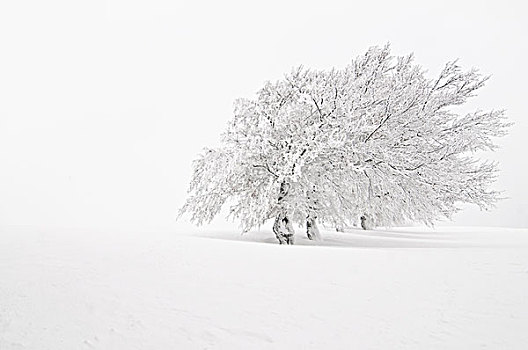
[
  {"x": 283, "y": 230},
  {"x": 312, "y": 231},
  {"x": 285, "y": 239}
]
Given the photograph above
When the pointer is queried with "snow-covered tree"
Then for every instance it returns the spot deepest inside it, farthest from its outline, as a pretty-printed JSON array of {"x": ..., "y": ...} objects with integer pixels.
[{"x": 376, "y": 141}]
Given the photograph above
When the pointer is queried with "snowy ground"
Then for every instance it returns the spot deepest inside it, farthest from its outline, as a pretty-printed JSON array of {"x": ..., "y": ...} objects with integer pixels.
[{"x": 402, "y": 289}]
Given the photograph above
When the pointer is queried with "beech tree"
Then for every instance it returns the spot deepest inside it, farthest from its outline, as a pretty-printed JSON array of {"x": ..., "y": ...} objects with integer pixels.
[{"x": 376, "y": 142}]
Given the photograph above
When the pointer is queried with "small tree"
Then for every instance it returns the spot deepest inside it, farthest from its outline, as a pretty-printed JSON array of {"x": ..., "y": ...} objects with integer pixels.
[{"x": 376, "y": 140}]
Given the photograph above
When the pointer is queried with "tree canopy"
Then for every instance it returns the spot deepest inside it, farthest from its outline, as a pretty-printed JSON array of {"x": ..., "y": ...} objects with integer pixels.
[{"x": 376, "y": 139}]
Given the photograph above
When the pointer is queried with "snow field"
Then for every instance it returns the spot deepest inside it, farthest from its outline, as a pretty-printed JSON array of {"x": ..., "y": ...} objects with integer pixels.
[{"x": 400, "y": 289}]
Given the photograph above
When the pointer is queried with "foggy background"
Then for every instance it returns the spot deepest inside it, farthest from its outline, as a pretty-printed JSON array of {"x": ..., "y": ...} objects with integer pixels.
[{"x": 104, "y": 105}]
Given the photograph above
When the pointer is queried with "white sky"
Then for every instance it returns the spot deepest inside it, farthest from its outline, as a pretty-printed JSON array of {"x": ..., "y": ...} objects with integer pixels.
[{"x": 104, "y": 105}]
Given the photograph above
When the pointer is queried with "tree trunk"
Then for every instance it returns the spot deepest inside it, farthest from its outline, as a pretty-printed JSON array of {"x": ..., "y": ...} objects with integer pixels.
[
  {"x": 364, "y": 222},
  {"x": 312, "y": 231},
  {"x": 283, "y": 229}
]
